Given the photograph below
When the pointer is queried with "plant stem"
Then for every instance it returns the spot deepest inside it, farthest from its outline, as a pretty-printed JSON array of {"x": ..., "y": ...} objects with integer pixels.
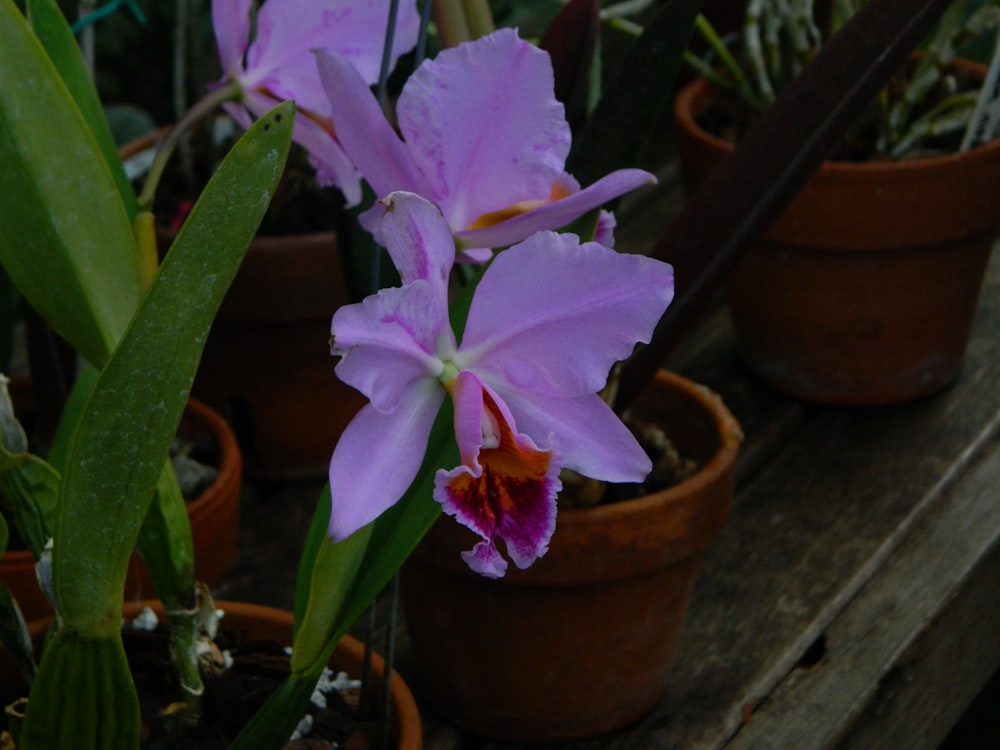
[{"x": 231, "y": 91}]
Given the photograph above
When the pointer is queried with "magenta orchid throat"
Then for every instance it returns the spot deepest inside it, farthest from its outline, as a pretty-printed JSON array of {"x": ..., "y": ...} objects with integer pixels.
[{"x": 524, "y": 385}]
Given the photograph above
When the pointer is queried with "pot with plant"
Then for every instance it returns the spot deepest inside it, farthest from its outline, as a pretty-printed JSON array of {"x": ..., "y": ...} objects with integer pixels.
[
  {"x": 602, "y": 599},
  {"x": 83, "y": 254},
  {"x": 863, "y": 291}
]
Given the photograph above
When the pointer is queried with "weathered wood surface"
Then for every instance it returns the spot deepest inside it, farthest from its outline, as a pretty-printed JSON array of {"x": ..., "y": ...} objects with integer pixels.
[{"x": 866, "y": 538}]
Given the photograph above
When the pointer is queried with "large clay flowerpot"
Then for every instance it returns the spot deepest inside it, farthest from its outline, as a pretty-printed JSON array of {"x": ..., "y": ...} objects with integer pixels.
[
  {"x": 864, "y": 289},
  {"x": 583, "y": 641},
  {"x": 267, "y": 623},
  {"x": 214, "y": 515}
]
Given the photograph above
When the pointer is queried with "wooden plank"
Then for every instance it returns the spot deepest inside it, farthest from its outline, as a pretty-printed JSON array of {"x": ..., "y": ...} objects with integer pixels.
[
  {"x": 916, "y": 645},
  {"x": 810, "y": 531}
]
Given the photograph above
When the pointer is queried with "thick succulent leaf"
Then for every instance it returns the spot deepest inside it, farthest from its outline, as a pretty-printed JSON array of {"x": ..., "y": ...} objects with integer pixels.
[
  {"x": 65, "y": 237},
  {"x": 119, "y": 448},
  {"x": 630, "y": 107},
  {"x": 52, "y": 30},
  {"x": 774, "y": 161}
]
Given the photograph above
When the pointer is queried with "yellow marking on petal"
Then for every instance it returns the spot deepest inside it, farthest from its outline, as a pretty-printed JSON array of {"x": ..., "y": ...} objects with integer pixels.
[{"x": 492, "y": 218}]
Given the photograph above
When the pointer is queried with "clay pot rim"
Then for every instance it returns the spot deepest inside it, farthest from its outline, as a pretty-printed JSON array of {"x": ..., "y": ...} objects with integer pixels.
[
  {"x": 694, "y": 96},
  {"x": 708, "y": 474},
  {"x": 405, "y": 712},
  {"x": 230, "y": 473}
]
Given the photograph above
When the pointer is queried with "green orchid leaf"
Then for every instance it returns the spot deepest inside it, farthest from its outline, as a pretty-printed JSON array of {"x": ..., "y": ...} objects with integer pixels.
[
  {"x": 166, "y": 546},
  {"x": 52, "y": 30},
  {"x": 616, "y": 133},
  {"x": 338, "y": 581},
  {"x": 119, "y": 449},
  {"x": 30, "y": 485},
  {"x": 65, "y": 236}
]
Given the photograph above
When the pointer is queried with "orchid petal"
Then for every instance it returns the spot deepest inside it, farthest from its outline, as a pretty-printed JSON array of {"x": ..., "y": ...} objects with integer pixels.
[
  {"x": 388, "y": 341},
  {"x": 231, "y": 22},
  {"x": 377, "y": 458},
  {"x": 473, "y": 419},
  {"x": 591, "y": 437},
  {"x": 556, "y": 214},
  {"x": 510, "y": 492},
  {"x": 482, "y": 123},
  {"x": 418, "y": 239},
  {"x": 360, "y": 34},
  {"x": 281, "y": 60},
  {"x": 580, "y": 309},
  {"x": 362, "y": 130},
  {"x": 605, "y": 232}
]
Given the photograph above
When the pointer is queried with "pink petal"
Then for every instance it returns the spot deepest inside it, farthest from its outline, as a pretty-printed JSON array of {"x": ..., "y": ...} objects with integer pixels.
[
  {"x": 281, "y": 59},
  {"x": 579, "y": 309},
  {"x": 509, "y": 493},
  {"x": 360, "y": 35},
  {"x": 483, "y": 124},
  {"x": 388, "y": 341},
  {"x": 417, "y": 238},
  {"x": 377, "y": 458},
  {"x": 590, "y": 437},
  {"x": 231, "y": 23},
  {"x": 556, "y": 214},
  {"x": 363, "y": 131},
  {"x": 605, "y": 232}
]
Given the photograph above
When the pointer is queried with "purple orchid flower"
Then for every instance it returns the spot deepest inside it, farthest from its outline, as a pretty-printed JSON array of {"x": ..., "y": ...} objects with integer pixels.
[
  {"x": 280, "y": 64},
  {"x": 524, "y": 386},
  {"x": 485, "y": 139}
]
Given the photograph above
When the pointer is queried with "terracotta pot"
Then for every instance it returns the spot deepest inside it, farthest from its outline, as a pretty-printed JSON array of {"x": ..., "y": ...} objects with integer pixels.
[
  {"x": 214, "y": 515},
  {"x": 583, "y": 641},
  {"x": 864, "y": 290},
  {"x": 266, "y": 366},
  {"x": 268, "y": 623}
]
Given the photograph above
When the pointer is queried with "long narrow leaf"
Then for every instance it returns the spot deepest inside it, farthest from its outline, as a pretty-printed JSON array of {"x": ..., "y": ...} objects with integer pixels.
[
  {"x": 52, "y": 30},
  {"x": 617, "y": 131},
  {"x": 773, "y": 161},
  {"x": 68, "y": 250},
  {"x": 121, "y": 444}
]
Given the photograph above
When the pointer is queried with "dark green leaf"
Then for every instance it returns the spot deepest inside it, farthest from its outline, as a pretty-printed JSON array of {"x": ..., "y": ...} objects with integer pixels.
[
  {"x": 572, "y": 41},
  {"x": 65, "y": 237},
  {"x": 630, "y": 107}
]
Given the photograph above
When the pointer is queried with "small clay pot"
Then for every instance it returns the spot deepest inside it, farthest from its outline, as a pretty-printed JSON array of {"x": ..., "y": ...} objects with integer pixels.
[
  {"x": 214, "y": 516},
  {"x": 864, "y": 290},
  {"x": 267, "y": 623},
  {"x": 581, "y": 642}
]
